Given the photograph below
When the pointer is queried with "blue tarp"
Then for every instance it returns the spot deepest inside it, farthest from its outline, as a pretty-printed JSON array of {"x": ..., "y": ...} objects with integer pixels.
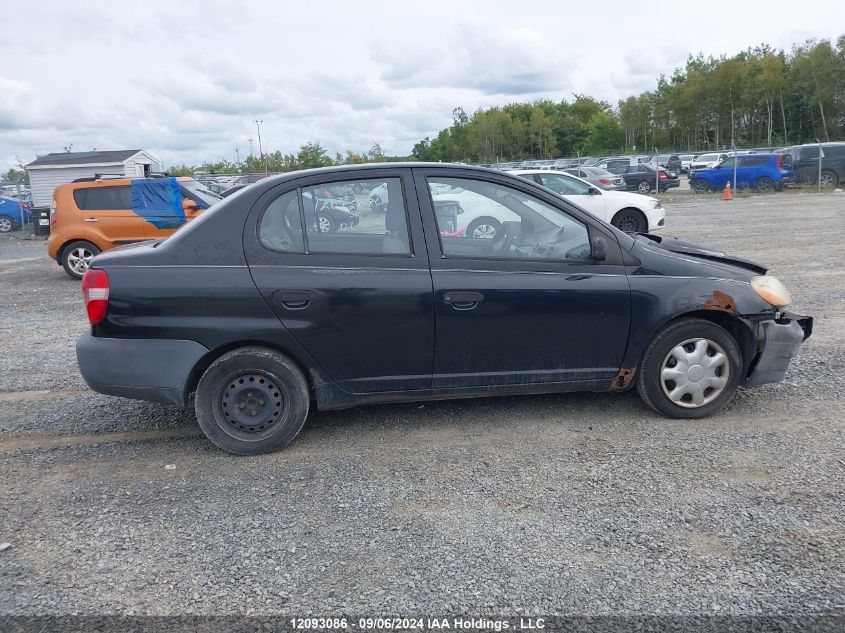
[{"x": 159, "y": 202}]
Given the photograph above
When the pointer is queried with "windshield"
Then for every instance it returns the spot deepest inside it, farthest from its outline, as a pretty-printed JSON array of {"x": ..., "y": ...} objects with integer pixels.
[{"x": 200, "y": 192}]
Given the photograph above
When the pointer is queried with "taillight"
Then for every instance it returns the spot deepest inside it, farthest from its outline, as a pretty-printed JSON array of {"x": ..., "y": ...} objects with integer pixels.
[
  {"x": 779, "y": 161},
  {"x": 53, "y": 212},
  {"x": 95, "y": 294},
  {"x": 604, "y": 181},
  {"x": 662, "y": 175}
]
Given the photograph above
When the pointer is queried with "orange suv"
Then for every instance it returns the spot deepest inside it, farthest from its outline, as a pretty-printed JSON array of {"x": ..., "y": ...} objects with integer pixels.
[{"x": 91, "y": 215}]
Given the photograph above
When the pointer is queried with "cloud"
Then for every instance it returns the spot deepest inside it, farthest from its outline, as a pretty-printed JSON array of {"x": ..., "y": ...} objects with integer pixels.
[{"x": 479, "y": 55}]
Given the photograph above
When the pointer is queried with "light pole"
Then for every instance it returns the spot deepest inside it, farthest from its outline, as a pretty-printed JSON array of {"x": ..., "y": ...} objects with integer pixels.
[
  {"x": 250, "y": 148},
  {"x": 260, "y": 149}
]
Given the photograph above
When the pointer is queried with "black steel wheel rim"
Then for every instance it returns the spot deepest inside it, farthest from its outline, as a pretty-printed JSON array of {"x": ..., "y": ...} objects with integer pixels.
[
  {"x": 629, "y": 223},
  {"x": 252, "y": 404}
]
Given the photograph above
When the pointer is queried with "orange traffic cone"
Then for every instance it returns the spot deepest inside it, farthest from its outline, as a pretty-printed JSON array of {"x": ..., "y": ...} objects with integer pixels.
[{"x": 727, "y": 194}]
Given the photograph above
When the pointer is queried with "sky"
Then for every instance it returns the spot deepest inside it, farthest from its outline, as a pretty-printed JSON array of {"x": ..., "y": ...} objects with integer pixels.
[{"x": 186, "y": 79}]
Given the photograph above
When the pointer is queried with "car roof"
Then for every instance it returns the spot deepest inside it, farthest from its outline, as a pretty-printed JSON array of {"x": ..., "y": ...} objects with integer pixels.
[{"x": 531, "y": 172}]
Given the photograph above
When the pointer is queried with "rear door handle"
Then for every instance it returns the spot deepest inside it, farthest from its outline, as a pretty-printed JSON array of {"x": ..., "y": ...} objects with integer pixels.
[
  {"x": 462, "y": 300},
  {"x": 294, "y": 299},
  {"x": 91, "y": 220}
]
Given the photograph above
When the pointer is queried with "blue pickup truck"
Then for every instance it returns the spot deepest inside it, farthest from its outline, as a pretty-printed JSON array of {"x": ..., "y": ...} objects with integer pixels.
[{"x": 761, "y": 172}]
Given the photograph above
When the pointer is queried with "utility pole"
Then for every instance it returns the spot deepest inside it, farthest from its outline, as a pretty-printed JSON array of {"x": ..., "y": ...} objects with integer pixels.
[
  {"x": 250, "y": 148},
  {"x": 237, "y": 157},
  {"x": 260, "y": 148},
  {"x": 821, "y": 155}
]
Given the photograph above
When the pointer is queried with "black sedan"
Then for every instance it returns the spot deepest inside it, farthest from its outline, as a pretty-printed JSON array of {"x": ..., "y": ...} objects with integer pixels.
[
  {"x": 642, "y": 178},
  {"x": 263, "y": 316}
]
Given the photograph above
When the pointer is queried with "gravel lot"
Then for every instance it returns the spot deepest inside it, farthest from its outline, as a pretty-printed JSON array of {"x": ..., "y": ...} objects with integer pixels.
[{"x": 579, "y": 503}]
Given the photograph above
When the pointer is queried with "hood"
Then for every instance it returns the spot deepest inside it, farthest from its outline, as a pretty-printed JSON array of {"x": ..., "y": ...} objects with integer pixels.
[
  {"x": 688, "y": 248},
  {"x": 629, "y": 195}
]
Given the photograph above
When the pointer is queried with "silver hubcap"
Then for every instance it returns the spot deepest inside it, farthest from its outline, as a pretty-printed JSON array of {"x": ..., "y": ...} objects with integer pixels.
[
  {"x": 827, "y": 180},
  {"x": 5, "y": 225},
  {"x": 79, "y": 260},
  {"x": 484, "y": 230},
  {"x": 644, "y": 188},
  {"x": 694, "y": 373},
  {"x": 323, "y": 225}
]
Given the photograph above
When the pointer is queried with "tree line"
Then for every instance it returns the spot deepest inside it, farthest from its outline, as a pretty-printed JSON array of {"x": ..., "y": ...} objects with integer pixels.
[{"x": 759, "y": 97}]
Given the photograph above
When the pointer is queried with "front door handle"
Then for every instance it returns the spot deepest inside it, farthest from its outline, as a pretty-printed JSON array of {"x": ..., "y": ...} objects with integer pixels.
[
  {"x": 462, "y": 300},
  {"x": 91, "y": 220},
  {"x": 294, "y": 299}
]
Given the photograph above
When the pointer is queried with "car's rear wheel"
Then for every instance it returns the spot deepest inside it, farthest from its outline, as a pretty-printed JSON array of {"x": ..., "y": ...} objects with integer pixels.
[
  {"x": 828, "y": 180},
  {"x": 630, "y": 221},
  {"x": 690, "y": 369},
  {"x": 644, "y": 186},
  {"x": 252, "y": 400},
  {"x": 699, "y": 185},
  {"x": 764, "y": 184},
  {"x": 483, "y": 228},
  {"x": 6, "y": 224},
  {"x": 77, "y": 256}
]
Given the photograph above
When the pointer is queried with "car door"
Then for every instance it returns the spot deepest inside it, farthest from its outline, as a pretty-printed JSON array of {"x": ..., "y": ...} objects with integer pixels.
[
  {"x": 107, "y": 215},
  {"x": 357, "y": 295},
  {"x": 576, "y": 191},
  {"x": 544, "y": 313}
]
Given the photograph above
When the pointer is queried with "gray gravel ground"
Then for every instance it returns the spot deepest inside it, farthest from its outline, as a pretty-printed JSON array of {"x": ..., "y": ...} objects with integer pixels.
[{"x": 578, "y": 503}]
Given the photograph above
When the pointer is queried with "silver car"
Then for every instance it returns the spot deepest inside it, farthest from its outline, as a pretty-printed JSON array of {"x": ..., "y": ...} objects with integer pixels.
[{"x": 599, "y": 177}]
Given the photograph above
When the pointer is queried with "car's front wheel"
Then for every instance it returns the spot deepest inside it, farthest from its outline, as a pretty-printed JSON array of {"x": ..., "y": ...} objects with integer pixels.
[
  {"x": 630, "y": 221},
  {"x": 77, "y": 256},
  {"x": 325, "y": 224},
  {"x": 252, "y": 400},
  {"x": 483, "y": 228},
  {"x": 828, "y": 180},
  {"x": 6, "y": 224},
  {"x": 690, "y": 369}
]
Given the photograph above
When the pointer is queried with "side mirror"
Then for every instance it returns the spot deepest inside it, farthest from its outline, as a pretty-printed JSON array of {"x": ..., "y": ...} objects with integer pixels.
[
  {"x": 595, "y": 191},
  {"x": 599, "y": 247}
]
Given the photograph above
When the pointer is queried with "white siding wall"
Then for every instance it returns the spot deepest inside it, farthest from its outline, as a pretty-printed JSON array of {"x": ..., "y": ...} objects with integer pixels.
[
  {"x": 135, "y": 165},
  {"x": 43, "y": 181}
]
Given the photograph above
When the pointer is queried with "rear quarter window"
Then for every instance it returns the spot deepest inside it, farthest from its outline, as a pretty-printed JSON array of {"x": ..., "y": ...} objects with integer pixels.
[{"x": 103, "y": 198}]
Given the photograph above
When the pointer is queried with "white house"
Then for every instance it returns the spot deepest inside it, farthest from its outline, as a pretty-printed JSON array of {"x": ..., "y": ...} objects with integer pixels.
[{"x": 46, "y": 172}]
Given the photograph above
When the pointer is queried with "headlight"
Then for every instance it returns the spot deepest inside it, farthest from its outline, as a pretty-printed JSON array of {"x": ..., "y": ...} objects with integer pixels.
[
  {"x": 657, "y": 204},
  {"x": 771, "y": 290}
]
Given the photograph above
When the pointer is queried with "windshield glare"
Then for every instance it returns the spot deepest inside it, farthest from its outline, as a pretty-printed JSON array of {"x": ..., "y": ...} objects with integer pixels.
[{"x": 202, "y": 192}]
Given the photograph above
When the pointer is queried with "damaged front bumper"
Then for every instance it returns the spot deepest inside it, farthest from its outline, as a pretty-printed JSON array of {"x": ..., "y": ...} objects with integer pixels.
[{"x": 778, "y": 341}]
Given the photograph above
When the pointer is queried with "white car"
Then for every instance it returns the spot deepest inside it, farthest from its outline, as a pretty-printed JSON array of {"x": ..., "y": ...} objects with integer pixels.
[
  {"x": 706, "y": 161},
  {"x": 630, "y": 212}
]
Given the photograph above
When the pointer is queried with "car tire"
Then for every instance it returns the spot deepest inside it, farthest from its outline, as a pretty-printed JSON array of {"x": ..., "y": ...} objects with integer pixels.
[
  {"x": 7, "y": 224},
  {"x": 377, "y": 205},
  {"x": 644, "y": 187},
  {"x": 764, "y": 184},
  {"x": 630, "y": 221},
  {"x": 829, "y": 180},
  {"x": 485, "y": 227},
  {"x": 699, "y": 185},
  {"x": 252, "y": 400},
  {"x": 325, "y": 224},
  {"x": 682, "y": 339},
  {"x": 76, "y": 257}
]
